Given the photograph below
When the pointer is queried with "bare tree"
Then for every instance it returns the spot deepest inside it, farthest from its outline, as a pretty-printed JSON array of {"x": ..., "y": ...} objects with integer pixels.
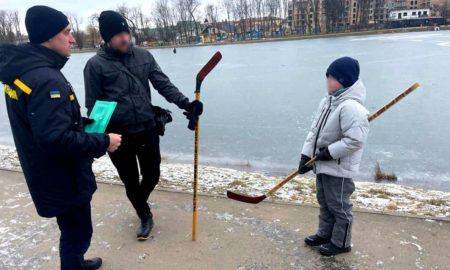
[
  {"x": 163, "y": 18},
  {"x": 362, "y": 14},
  {"x": 183, "y": 17},
  {"x": 93, "y": 29},
  {"x": 241, "y": 11},
  {"x": 228, "y": 6},
  {"x": 191, "y": 6},
  {"x": 15, "y": 21},
  {"x": 9, "y": 27},
  {"x": 334, "y": 14},
  {"x": 315, "y": 7},
  {"x": 78, "y": 34},
  {"x": 212, "y": 14},
  {"x": 273, "y": 7},
  {"x": 284, "y": 12},
  {"x": 258, "y": 6},
  {"x": 140, "y": 22}
]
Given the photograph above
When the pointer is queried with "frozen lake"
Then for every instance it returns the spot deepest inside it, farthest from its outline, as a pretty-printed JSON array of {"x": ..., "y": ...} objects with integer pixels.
[{"x": 260, "y": 100}]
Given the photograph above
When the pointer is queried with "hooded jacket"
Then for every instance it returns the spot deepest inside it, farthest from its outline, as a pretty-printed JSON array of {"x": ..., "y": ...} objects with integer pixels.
[
  {"x": 124, "y": 78},
  {"x": 55, "y": 153},
  {"x": 341, "y": 125}
]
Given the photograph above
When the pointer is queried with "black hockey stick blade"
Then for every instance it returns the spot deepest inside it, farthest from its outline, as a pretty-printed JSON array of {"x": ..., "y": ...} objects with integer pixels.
[{"x": 244, "y": 198}]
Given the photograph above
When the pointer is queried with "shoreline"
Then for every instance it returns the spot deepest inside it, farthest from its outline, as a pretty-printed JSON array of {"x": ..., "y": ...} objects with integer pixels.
[
  {"x": 289, "y": 38},
  {"x": 377, "y": 197}
]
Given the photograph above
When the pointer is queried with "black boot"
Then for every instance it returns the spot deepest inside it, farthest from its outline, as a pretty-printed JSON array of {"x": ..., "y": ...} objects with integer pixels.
[
  {"x": 92, "y": 264},
  {"x": 331, "y": 250},
  {"x": 146, "y": 227},
  {"x": 315, "y": 240}
]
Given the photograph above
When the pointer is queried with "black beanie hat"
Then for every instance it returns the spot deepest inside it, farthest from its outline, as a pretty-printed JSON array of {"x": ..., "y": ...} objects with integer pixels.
[
  {"x": 112, "y": 23},
  {"x": 43, "y": 23},
  {"x": 345, "y": 70}
]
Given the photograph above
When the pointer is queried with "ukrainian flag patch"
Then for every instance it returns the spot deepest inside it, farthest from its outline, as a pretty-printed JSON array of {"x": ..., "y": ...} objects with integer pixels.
[{"x": 55, "y": 94}]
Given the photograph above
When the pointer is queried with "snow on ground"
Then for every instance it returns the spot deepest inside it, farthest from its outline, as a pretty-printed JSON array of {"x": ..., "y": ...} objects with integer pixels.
[{"x": 381, "y": 197}]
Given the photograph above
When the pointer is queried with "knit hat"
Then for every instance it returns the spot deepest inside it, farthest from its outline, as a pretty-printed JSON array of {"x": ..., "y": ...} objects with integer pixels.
[
  {"x": 43, "y": 23},
  {"x": 345, "y": 70},
  {"x": 112, "y": 23}
]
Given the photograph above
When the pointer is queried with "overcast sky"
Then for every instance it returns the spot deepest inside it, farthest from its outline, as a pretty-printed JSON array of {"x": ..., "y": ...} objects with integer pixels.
[{"x": 83, "y": 8}]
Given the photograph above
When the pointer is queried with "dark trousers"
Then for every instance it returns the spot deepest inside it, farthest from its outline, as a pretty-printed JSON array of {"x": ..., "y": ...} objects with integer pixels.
[
  {"x": 76, "y": 233},
  {"x": 138, "y": 154},
  {"x": 336, "y": 216}
]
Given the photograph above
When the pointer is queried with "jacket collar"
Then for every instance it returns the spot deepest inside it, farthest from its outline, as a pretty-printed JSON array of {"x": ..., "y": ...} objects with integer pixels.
[
  {"x": 355, "y": 92},
  {"x": 53, "y": 57}
]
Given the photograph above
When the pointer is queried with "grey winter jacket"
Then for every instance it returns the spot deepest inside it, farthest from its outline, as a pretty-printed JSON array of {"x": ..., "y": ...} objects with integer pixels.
[
  {"x": 125, "y": 79},
  {"x": 341, "y": 125}
]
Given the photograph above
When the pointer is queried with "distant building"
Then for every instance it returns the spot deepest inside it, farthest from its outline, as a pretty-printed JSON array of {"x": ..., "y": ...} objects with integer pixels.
[
  {"x": 409, "y": 14},
  {"x": 322, "y": 16}
]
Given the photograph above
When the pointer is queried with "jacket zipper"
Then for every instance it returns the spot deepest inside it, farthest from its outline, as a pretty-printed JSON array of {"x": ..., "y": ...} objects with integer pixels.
[
  {"x": 131, "y": 97},
  {"x": 318, "y": 120},
  {"x": 322, "y": 124}
]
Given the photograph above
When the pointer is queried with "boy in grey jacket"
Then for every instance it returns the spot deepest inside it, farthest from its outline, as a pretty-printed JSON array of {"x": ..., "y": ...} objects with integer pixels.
[{"x": 336, "y": 139}]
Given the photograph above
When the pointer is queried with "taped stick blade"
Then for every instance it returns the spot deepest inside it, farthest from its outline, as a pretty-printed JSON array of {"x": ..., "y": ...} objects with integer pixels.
[
  {"x": 212, "y": 63},
  {"x": 245, "y": 198}
]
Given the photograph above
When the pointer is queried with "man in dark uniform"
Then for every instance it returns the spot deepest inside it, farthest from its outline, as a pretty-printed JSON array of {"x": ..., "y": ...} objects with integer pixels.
[
  {"x": 55, "y": 153},
  {"x": 121, "y": 72}
]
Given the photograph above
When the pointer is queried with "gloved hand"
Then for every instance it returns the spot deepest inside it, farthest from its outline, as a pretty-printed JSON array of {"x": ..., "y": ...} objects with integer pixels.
[
  {"x": 193, "y": 111},
  {"x": 302, "y": 168},
  {"x": 324, "y": 155},
  {"x": 86, "y": 121}
]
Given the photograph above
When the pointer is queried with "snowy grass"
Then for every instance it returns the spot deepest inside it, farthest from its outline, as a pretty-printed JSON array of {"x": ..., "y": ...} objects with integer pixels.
[{"x": 391, "y": 198}]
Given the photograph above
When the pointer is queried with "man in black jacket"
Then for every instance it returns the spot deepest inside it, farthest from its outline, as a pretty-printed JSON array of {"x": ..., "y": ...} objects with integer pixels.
[
  {"x": 55, "y": 153},
  {"x": 121, "y": 72}
]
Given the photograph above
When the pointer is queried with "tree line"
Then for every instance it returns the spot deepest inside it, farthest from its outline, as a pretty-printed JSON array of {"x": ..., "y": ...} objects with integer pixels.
[{"x": 184, "y": 21}]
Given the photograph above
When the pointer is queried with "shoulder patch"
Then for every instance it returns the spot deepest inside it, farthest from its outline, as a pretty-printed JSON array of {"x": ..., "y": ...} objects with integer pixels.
[
  {"x": 10, "y": 92},
  {"x": 55, "y": 94},
  {"x": 27, "y": 90}
]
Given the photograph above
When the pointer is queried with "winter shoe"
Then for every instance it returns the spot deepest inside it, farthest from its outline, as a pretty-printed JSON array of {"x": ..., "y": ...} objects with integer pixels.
[
  {"x": 146, "y": 227},
  {"x": 315, "y": 240},
  {"x": 331, "y": 250},
  {"x": 92, "y": 264}
]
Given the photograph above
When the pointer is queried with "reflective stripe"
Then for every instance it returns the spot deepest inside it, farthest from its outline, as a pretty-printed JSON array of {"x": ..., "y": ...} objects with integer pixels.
[
  {"x": 345, "y": 213},
  {"x": 27, "y": 90}
]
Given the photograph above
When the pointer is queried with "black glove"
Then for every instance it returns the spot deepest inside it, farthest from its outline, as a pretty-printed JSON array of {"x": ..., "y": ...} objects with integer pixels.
[
  {"x": 302, "y": 168},
  {"x": 324, "y": 155},
  {"x": 86, "y": 121},
  {"x": 193, "y": 111}
]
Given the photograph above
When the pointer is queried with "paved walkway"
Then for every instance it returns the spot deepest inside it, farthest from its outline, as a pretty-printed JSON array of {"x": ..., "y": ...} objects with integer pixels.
[{"x": 232, "y": 235}]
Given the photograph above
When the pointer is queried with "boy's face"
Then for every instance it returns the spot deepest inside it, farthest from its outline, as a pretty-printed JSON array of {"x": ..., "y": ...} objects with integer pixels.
[{"x": 333, "y": 85}]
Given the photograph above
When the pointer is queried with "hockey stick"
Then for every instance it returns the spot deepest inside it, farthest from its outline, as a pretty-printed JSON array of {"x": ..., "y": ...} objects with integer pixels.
[
  {"x": 195, "y": 124},
  {"x": 381, "y": 111},
  {"x": 258, "y": 199}
]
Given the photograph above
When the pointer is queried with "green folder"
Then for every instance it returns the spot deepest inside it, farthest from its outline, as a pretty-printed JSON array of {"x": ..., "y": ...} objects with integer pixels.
[{"x": 101, "y": 113}]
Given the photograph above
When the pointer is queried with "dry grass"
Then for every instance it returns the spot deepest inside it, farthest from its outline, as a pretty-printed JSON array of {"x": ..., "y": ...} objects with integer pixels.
[
  {"x": 312, "y": 186},
  {"x": 237, "y": 183},
  {"x": 298, "y": 187},
  {"x": 382, "y": 176},
  {"x": 437, "y": 202},
  {"x": 380, "y": 193}
]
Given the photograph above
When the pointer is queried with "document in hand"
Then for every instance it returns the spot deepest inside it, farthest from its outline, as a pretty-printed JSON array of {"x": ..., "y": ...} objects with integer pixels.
[{"x": 101, "y": 114}]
